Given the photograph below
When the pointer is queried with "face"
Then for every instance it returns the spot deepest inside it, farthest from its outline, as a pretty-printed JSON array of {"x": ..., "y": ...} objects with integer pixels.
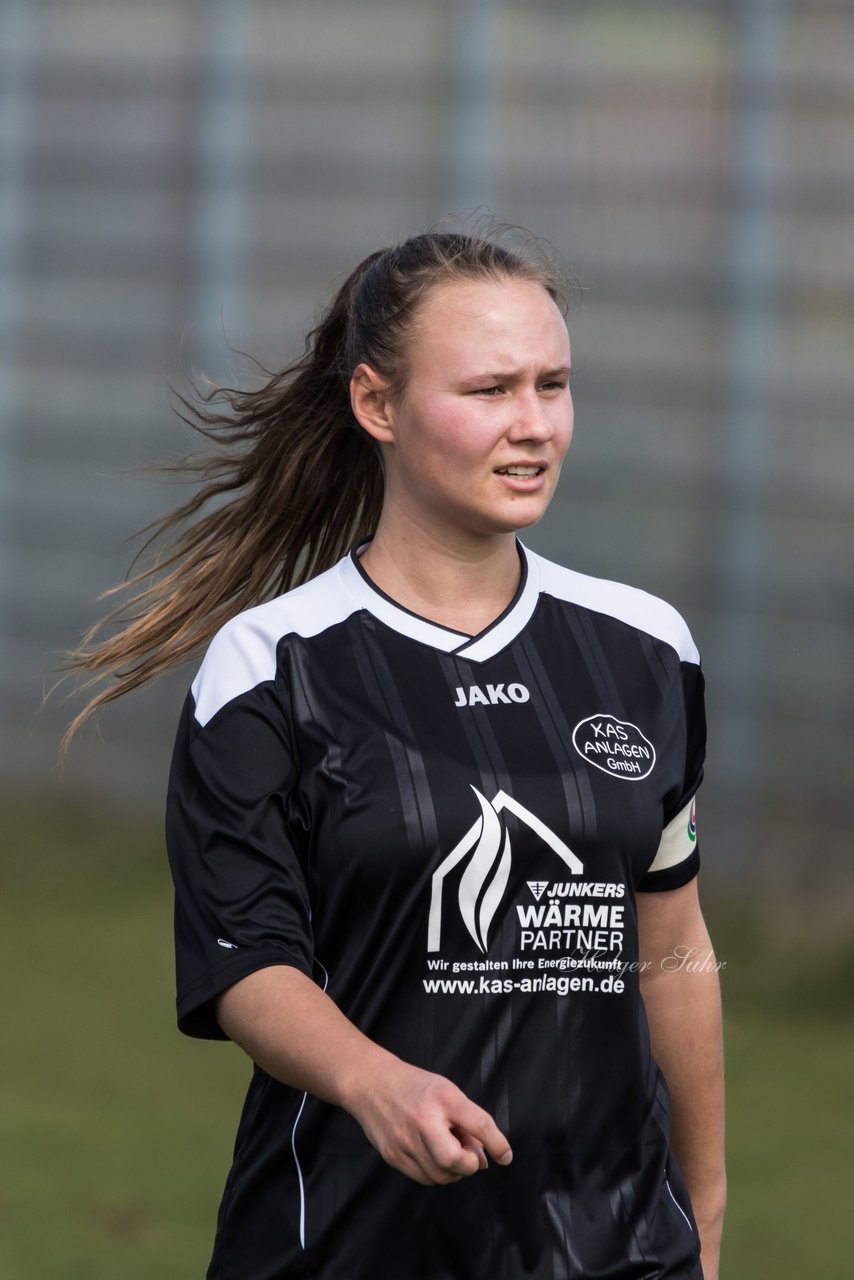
[{"x": 476, "y": 442}]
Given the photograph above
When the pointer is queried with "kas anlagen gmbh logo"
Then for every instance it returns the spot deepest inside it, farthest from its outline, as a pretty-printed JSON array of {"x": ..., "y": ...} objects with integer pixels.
[{"x": 484, "y": 881}]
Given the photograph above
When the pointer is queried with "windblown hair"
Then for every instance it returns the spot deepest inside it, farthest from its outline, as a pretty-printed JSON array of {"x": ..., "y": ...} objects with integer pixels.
[{"x": 292, "y": 480}]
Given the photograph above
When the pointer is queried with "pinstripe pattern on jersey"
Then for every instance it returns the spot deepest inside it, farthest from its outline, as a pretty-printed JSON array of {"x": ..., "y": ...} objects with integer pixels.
[
  {"x": 628, "y": 604},
  {"x": 371, "y": 702}
]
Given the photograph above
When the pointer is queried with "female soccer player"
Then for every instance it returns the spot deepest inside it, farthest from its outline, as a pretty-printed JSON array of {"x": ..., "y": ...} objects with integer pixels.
[{"x": 431, "y": 814}]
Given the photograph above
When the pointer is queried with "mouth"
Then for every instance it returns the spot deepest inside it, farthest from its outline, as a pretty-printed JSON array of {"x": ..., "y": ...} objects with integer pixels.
[{"x": 523, "y": 470}]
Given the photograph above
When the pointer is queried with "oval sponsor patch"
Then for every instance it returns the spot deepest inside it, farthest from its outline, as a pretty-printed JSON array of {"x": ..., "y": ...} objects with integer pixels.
[{"x": 617, "y": 747}]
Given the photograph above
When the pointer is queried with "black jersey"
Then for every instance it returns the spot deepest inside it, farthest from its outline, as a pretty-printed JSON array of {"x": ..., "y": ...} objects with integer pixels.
[{"x": 447, "y": 833}]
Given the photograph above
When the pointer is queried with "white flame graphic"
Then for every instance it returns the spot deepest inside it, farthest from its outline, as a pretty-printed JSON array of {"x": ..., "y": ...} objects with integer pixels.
[
  {"x": 488, "y": 859},
  {"x": 485, "y": 879}
]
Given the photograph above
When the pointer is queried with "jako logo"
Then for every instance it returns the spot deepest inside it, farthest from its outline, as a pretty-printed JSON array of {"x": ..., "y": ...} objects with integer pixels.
[
  {"x": 484, "y": 880},
  {"x": 474, "y": 696}
]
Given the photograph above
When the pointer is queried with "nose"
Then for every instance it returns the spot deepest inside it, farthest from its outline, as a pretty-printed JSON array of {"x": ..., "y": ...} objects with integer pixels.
[{"x": 536, "y": 417}]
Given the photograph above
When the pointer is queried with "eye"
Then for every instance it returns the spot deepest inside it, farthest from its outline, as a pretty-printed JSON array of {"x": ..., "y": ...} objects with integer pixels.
[
  {"x": 558, "y": 385},
  {"x": 488, "y": 391}
]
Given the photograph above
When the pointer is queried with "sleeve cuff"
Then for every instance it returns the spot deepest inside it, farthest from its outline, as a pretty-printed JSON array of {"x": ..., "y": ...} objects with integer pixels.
[{"x": 196, "y": 1015}]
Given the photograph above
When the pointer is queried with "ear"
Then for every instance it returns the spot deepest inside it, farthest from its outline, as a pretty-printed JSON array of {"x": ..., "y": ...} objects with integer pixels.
[{"x": 371, "y": 401}]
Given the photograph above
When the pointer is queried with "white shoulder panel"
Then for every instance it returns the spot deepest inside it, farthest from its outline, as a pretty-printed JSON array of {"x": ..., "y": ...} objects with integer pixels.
[
  {"x": 627, "y": 604},
  {"x": 242, "y": 654}
]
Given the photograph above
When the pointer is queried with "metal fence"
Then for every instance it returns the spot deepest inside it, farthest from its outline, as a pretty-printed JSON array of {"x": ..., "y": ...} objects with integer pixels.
[{"x": 185, "y": 175}]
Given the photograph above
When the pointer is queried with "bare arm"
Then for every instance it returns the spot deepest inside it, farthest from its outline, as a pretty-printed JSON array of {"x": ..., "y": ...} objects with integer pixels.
[
  {"x": 681, "y": 991},
  {"x": 420, "y": 1123}
]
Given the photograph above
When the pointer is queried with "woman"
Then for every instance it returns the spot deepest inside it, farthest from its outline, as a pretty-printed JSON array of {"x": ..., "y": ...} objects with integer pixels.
[{"x": 431, "y": 816}]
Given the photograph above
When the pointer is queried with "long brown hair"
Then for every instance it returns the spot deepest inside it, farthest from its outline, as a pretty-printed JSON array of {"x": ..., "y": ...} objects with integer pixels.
[{"x": 292, "y": 480}]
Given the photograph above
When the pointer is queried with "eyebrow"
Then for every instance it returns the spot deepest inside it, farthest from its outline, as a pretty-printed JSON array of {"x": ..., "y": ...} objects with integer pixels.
[{"x": 490, "y": 378}]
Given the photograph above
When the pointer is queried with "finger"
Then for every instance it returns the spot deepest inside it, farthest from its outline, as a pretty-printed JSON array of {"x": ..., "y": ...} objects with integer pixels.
[
  {"x": 479, "y": 1124},
  {"x": 470, "y": 1143},
  {"x": 446, "y": 1156},
  {"x": 417, "y": 1161},
  {"x": 414, "y": 1170}
]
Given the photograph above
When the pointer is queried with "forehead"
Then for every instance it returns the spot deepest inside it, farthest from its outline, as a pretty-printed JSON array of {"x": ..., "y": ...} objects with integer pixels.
[{"x": 495, "y": 323}]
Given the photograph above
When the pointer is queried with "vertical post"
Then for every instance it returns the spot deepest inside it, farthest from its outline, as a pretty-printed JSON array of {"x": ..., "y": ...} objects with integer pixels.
[
  {"x": 219, "y": 227},
  {"x": 17, "y": 39},
  {"x": 753, "y": 268},
  {"x": 475, "y": 46}
]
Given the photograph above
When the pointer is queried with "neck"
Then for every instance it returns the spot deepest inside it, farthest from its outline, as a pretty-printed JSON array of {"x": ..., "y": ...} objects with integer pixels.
[{"x": 461, "y": 583}]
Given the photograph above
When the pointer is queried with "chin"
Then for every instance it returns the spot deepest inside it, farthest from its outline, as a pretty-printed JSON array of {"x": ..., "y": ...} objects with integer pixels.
[{"x": 521, "y": 517}]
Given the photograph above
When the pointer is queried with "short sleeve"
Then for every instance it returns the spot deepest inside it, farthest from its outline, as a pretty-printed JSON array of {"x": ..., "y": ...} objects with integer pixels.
[
  {"x": 241, "y": 901},
  {"x": 677, "y": 859}
]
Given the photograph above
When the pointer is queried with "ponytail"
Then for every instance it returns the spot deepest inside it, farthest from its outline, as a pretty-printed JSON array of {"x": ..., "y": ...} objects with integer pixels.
[{"x": 293, "y": 480}]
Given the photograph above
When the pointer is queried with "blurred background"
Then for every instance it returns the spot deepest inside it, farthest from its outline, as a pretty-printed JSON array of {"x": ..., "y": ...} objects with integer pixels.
[{"x": 182, "y": 177}]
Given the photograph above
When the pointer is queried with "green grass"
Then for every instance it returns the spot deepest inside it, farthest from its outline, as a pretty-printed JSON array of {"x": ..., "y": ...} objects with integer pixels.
[
  {"x": 790, "y": 1147},
  {"x": 116, "y": 1131}
]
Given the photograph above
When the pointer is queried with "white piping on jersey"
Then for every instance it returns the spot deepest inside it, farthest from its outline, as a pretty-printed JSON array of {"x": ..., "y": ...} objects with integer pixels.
[
  {"x": 242, "y": 654},
  {"x": 678, "y": 1205},
  {"x": 294, "y": 1144},
  {"x": 299, "y": 1173}
]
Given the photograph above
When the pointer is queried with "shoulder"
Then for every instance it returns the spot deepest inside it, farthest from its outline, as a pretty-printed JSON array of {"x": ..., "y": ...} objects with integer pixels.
[
  {"x": 636, "y": 608},
  {"x": 243, "y": 653}
]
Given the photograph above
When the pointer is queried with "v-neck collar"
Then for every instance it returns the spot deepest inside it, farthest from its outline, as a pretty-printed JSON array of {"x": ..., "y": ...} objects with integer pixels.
[{"x": 477, "y": 648}]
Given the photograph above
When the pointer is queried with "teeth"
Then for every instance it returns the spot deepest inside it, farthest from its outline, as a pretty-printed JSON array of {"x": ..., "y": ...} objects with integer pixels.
[{"x": 521, "y": 471}]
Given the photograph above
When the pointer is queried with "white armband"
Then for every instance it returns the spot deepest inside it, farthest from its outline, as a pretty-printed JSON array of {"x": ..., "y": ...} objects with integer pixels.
[{"x": 678, "y": 839}]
